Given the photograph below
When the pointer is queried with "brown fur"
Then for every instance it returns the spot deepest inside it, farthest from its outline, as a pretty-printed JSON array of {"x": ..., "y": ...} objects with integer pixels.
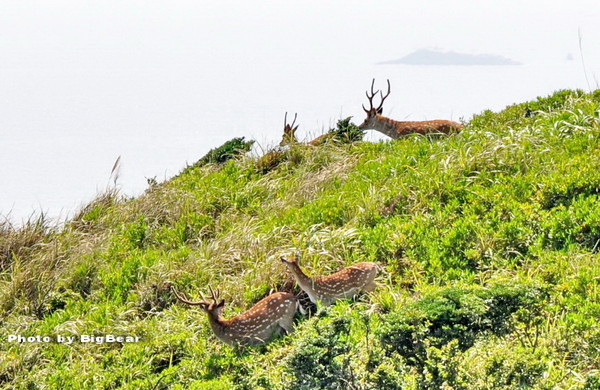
[
  {"x": 289, "y": 135},
  {"x": 397, "y": 129},
  {"x": 342, "y": 284},
  {"x": 257, "y": 325}
]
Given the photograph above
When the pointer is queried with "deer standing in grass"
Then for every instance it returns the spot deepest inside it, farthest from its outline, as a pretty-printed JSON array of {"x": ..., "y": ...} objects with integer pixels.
[
  {"x": 342, "y": 284},
  {"x": 397, "y": 129},
  {"x": 255, "y": 326},
  {"x": 289, "y": 134}
]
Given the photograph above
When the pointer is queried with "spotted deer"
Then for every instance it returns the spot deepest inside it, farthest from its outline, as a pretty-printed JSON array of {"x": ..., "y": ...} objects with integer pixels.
[
  {"x": 342, "y": 284},
  {"x": 289, "y": 134},
  {"x": 397, "y": 129},
  {"x": 256, "y": 325}
]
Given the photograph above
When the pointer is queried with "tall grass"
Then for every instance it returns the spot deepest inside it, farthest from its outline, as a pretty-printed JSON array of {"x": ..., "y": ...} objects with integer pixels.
[{"x": 488, "y": 241}]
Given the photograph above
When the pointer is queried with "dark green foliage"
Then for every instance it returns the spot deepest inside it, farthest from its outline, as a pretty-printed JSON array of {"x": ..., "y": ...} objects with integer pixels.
[
  {"x": 423, "y": 344},
  {"x": 429, "y": 334},
  {"x": 592, "y": 383},
  {"x": 514, "y": 370},
  {"x": 346, "y": 131},
  {"x": 227, "y": 151},
  {"x": 460, "y": 314},
  {"x": 81, "y": 280},
  {"x": 321, "y": 360}
]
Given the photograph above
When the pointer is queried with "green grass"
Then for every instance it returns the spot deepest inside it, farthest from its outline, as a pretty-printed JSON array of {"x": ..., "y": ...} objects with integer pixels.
[{"x": 489, "y": 242}]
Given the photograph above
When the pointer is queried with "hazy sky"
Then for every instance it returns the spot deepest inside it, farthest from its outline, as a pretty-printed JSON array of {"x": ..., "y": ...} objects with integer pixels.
[
  {"x": 162, "y": 33},
  {"x": 161, "y": 82}
]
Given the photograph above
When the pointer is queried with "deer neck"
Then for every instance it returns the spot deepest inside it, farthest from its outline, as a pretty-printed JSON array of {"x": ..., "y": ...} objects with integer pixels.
[
  {"x": 219, "y": 326},
  {"x": 288, "y": 139},
  {"x": 387, "y": 126},
  {"x": 384, "y": 125},
  {"x": 305, "y": 282}
]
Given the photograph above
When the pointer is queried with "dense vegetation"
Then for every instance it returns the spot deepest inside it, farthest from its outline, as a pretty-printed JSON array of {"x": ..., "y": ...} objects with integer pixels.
[
  {"x": 488, "y": 239},
  {"x": 226, "y": 152}
]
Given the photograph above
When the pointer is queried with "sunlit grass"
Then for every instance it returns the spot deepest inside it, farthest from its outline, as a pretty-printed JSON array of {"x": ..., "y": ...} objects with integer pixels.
[{"x": 488, "y": 244}]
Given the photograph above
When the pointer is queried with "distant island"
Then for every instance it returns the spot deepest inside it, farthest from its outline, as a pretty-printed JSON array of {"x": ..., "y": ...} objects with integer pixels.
[{"x": 435, "y": 57}]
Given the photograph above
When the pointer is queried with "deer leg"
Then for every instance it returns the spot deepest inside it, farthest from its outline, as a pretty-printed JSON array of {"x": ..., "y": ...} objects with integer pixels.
[
  {"x": 287, "y": 324},
  {"x": 370, "y": 286}
]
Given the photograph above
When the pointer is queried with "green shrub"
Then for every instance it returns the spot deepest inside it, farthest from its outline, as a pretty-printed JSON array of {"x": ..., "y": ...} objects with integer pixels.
[
  {"x": 577, "y": 224},
  {"x": 320, "y": 360},
  {"x": 227, "y": 151},
  {"x": 461, "y": 314},
  {"x": 505, "y": 365},
  {"x": 346, "y": 131}
]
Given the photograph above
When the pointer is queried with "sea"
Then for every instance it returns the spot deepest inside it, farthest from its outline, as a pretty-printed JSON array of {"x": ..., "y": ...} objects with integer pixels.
[{"x": 63, "y": 129}]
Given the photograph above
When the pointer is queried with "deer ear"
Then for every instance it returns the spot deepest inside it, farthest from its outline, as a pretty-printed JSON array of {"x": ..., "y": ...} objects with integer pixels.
[
  {"x": 380, "y": 111},
  {"x": 221, "y": 303}
]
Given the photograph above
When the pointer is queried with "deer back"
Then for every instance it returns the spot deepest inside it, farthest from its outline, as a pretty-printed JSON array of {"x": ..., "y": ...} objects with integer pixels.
[
  {"x": 346, "y": 282},
  {"x": 397, "y": 129},
  {"x": 261, "y": 322}
]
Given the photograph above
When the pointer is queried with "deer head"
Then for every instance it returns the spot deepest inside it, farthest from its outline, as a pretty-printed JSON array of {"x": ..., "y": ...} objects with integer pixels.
[
  {"x": 256, "y": 325},
  {"x": 214, "y": 308},
  {"x": 289, "y": 131},
  {"x": 291, "y": 260},
  {"x": 373, "y": 111}
]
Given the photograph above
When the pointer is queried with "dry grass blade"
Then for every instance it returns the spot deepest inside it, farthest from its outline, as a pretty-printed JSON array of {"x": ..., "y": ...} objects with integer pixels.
[{"x": 19, "y": 242}]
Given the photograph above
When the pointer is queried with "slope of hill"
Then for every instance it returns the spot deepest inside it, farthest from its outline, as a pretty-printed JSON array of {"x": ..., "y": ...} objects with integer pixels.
[{"x": 488, "y": 239}]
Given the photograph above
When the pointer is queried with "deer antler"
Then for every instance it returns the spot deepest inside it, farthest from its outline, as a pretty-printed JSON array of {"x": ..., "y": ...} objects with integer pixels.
[
  {"x": 386, "y": 95},
  {"x": 184, "y": 299},
  {"x": 214, "y": 295},
  {"x": 370, "y": 97},
  {"x": 373, "y": 93},
  {"x": 285, "y": 123}
]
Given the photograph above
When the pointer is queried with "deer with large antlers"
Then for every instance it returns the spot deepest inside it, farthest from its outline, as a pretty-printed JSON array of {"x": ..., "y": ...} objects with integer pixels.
[
  {"x": 257, "y": 325},
  {"x": 342, "y": 284},
  {"x": 397, "y": 129},
  {"x": 289, "y": 134}
]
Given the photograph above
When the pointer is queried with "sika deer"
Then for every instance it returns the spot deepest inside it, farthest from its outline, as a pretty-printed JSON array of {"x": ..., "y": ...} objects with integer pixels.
[
  {"x": 289, "y": 134},
  {"x": 342, "y": 284},
  {"x": 397, "y": 129},
  {"x": 255, "y": 326}
]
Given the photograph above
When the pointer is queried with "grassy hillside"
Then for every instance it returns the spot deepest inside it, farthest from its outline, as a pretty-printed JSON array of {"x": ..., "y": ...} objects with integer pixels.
[{"x": 489, "y": 241}]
